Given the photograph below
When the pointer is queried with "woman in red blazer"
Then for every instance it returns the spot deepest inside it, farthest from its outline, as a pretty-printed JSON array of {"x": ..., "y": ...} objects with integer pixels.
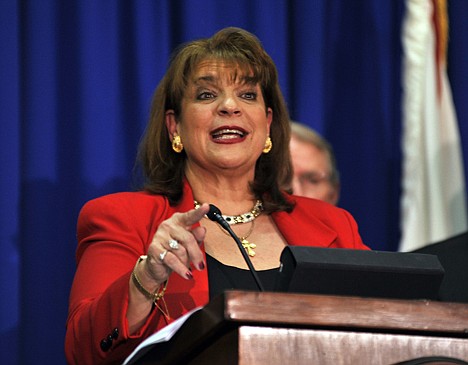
[{"x": 218, "y": 133}]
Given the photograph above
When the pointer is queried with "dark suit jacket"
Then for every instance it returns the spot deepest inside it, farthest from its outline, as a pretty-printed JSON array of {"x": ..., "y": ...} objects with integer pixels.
[
  {"x": 453, "y": 255},
  {"x": 114, "y": 230}
]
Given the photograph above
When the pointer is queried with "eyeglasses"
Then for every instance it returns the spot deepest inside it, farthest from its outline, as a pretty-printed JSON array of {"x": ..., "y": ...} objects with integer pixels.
[{"x": 314, "y": 178}]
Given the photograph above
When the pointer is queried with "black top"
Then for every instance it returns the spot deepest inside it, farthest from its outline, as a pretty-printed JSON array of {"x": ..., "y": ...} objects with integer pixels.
[{"x": 222, "y": 277}]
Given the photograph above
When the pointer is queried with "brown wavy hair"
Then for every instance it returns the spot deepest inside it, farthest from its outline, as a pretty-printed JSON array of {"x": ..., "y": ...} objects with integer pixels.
[{"x": 164, "y": 170}]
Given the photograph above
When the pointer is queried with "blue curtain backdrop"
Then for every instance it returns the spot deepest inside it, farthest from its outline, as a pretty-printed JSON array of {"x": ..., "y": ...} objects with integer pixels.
[{"x": 76, "y": 81}]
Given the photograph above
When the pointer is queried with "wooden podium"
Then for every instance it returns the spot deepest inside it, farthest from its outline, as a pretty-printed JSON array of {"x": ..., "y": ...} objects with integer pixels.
[{"x": 254, "y": 328}]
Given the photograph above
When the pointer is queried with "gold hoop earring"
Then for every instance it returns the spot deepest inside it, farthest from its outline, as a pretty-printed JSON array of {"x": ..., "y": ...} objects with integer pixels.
[
  {"x": 177, "y": 145},
  {"x": 268, "y": 145}
]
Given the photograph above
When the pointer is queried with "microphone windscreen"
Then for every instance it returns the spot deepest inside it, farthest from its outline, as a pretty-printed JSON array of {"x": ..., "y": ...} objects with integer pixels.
[{"x": 214, "y": 213}]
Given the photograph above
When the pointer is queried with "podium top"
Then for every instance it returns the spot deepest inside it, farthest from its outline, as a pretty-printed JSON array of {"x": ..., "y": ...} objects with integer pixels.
[{"x": 345, "y": 311}]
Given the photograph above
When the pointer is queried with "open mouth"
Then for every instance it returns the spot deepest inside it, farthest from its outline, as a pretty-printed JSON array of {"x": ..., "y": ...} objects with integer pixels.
[{"x": 225, "y": 134}]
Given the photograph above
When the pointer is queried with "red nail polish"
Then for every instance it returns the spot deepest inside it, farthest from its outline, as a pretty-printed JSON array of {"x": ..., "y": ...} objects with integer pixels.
[
  {"x": 201, "y": 265},
  {"x": 189, "y": 275}
]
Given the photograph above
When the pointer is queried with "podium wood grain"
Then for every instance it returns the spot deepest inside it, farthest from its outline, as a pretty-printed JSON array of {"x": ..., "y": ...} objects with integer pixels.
[{"x": 280, "y": 328}]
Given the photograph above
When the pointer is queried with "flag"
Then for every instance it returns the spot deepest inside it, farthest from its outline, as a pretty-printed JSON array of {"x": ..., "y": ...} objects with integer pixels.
[{"x": 433, "y": 203}]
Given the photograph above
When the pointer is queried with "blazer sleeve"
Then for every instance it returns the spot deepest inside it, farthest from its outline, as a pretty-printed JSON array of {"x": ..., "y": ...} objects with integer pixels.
[{"x": 111, "y": 237}]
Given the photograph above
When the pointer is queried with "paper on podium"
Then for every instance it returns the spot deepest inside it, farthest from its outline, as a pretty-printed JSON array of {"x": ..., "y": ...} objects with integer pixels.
[{"x": 163, "y": 335}]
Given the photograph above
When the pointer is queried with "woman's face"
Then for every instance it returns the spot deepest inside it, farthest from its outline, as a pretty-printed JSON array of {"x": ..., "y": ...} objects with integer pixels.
[{"x": 223, "y": 122}]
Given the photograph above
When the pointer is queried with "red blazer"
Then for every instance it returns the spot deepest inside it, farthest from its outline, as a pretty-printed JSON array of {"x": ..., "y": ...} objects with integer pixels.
[{"x": 114, "y": 230}]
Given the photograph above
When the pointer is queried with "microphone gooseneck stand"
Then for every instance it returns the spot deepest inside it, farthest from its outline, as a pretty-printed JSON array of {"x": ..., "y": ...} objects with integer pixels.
[{"x": 215, "y": 215}]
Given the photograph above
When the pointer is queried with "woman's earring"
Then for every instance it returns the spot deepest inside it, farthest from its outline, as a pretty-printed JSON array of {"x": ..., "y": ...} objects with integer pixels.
[
  {"x": 268, "y": 145},
  {"x": 177, "y": 144}
]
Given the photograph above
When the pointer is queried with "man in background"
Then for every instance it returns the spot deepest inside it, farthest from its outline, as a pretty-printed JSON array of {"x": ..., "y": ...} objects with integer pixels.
[{"x": 315, "y": 172}]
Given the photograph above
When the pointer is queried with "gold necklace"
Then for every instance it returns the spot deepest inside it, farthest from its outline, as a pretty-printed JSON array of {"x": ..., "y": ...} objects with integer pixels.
[
  {"x": 248, "y": 246},
  {"x": 241, "y": 218}
]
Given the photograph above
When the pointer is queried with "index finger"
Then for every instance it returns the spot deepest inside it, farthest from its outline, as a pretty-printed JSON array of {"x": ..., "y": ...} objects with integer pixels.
[{"x": 193, "y": 216}]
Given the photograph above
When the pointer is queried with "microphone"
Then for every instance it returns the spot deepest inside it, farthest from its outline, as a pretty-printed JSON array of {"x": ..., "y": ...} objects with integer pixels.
[{"x": 215, "y": 215}]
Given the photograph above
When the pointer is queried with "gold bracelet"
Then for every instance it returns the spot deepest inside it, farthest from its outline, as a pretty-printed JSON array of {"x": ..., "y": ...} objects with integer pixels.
[{"x": 158, "y": 293}]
